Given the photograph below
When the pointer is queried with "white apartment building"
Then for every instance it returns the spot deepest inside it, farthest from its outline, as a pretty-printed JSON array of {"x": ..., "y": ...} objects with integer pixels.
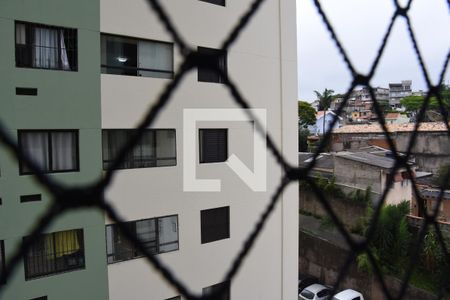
[{"x": 198, "y": 234}]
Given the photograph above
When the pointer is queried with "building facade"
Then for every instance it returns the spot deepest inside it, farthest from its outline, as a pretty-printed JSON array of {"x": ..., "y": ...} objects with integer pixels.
[
  {"x": 46, "y": 57},
  {"x": 398, "y": 91},
  {"x": 75, "y": 85}
]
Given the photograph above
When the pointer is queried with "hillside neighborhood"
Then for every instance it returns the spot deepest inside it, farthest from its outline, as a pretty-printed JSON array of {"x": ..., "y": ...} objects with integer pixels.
[{"x": 362, "y": 164}]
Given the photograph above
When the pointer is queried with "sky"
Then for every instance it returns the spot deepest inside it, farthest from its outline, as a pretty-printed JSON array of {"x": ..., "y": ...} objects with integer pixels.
[{"x": 360, "y": 25}]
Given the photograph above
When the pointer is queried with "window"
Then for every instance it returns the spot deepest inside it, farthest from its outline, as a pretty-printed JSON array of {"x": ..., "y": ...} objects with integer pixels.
[
  {"x": 215, "y": 224},
  {"x": 225, "y": 295},
  {"x": 218, "y": 2},
  {"x": 46, "y": 47},
  {"x": 213, "y": 145},
  {"x": 324, "y": 293},
  {"x": 135, "y": 57},
  {"x": 30, "y": 198},
  {"x": 2, "y": 259},
  {"x": 55, "y": 253},
  {"x": 212, "y": 59},
  {"x": 156, "y": 148},
  {"x": 158, "y": 235},
  {"x": 51, "y": 151}
]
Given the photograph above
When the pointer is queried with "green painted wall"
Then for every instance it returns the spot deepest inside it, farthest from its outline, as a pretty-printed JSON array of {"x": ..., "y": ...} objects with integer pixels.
[{"x": 66, "y": 100}]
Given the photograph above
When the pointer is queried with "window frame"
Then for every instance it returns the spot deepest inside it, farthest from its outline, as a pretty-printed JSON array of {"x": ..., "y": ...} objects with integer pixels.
[
  {"x": 155, "y": 145},
  {"x": 30, "y": 44},
  {"x": 201, "y": 158},
  {"x": 137, "y": 69},
  {"x": 81, "y": 255},
  {"x": 219, "y": 53},
  {"x": 203, "y": 237},
  {"x": 50, "y": 150},
  {"x": 135, "y": 250}
]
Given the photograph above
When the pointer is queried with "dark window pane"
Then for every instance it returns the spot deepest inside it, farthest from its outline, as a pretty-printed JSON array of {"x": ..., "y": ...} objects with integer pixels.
[
  {"x": 51, "y": 151},
  {"x": 215, "y": 224},
  {"x": 213, "y": 145},
  {"x": 46, "y": 47},
  {"x": 30, "y": 198},
  {"x": 64, "y": 151},
  {"x": 155, "y": 148},
  {"x": 54, "y": 253},
  {"x": 211, "y": 61},
  {"x": 168, "y": 234},
  {"x": 158, "y": 235},
  {"x": 218, "y": 2},
  {"x": 225, "y": 295},
  {"x": 34, "y": 144},
  {"x": 136, "y": 57},
  {"x": 2, "y": 258}
]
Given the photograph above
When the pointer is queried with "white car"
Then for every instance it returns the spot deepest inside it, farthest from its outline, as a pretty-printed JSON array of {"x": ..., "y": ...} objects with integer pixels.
[
  {"x": 348, "y": 295},
  {"x": 315, "y": 292}
]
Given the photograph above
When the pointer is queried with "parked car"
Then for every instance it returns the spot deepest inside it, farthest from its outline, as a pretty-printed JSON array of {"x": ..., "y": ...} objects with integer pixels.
[
  {"x": 315, "y": 292},
  {"x": 348, "y": 294},
  {"x": 305, "y": 280}
]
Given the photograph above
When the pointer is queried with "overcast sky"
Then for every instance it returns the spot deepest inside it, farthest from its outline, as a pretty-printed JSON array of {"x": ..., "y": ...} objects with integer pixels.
[{"x": 360, "y": 25}]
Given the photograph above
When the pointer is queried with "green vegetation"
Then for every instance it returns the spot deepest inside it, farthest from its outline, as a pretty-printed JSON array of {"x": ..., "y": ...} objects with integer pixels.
[
  {"x": 329, "y": 187},
  {"x": 303, "y": 139},
  {"x": 306, "y": 114},
  {"x": 442, "y": 173},
  {"x": 391, "y": 247},
  {"x": 413, "y": 104}
]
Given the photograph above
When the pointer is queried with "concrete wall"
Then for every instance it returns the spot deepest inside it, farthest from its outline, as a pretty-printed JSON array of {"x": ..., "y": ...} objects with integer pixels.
[
  {"x": 263, "y": 63},
  {"x": 357, "y": 174},
  {"x": 65, "y": 100},
  {"x": 349, "y": 213},
  {"x": 327, "y": 269}
]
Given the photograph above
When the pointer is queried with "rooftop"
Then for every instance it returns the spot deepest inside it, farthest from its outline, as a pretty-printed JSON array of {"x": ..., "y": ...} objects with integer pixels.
[
  {"x": 376, "y": 128},
  {"x": 434, "y": 193},
  {"x": 323, "y": 161},
  {"x": 368, "y": 158},
  {"x": 392, "y": 115}
]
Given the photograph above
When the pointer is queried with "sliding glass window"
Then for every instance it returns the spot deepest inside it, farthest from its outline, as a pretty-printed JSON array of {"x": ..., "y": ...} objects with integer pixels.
[
  {"x": 136, "y": 57},
  {"x": 156, "y": 148}
]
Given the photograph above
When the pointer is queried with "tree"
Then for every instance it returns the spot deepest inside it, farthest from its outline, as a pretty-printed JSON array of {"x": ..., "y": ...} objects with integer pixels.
[
  {"x": 303, "y": 134},
  {"x": 306, "y": 114},
  {"x": 413, "y": 104},
  {"x": 325, "y": 99}
]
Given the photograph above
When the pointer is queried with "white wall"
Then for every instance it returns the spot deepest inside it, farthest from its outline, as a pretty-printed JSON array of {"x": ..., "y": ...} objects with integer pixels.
[{"x": 263, "y": 63}]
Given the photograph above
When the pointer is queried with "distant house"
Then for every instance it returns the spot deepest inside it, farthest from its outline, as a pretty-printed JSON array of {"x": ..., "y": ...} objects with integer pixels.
[
  {"x": 317, "y": 128},
  {"x": 364, "y": 169},
  {"x": 430, "y": 197},
  {"x": 431, "y": 148},
  {"x": 396, "y": 118}
]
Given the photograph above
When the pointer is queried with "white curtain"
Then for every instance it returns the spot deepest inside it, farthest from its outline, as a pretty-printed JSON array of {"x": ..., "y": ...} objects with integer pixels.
[
  {"x": 64, "y": 58},
  {"x": 63, "y": 151},
  {"x": 35, "y": 146},
  {"x": 20, "y": 34},
  {"x": 155, "y": 56},
  {"x": 168, "y": 233},
  {"x": 46, "y": 45}
]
